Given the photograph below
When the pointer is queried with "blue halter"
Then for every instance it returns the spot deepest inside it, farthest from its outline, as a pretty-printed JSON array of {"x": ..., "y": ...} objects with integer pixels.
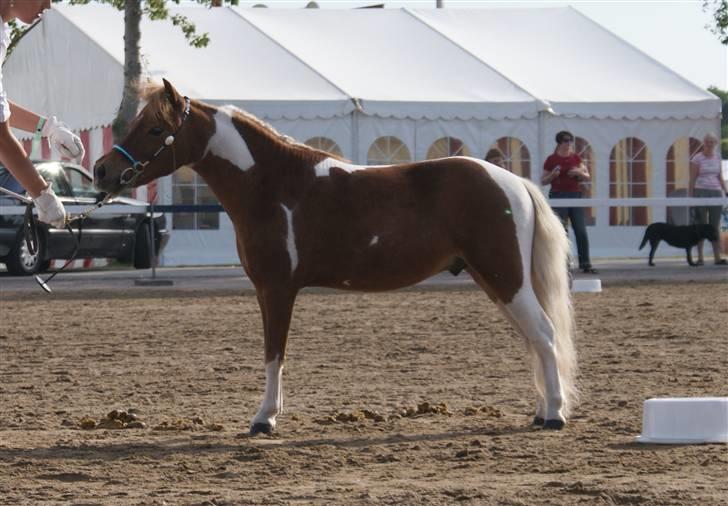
[
  {"x": 124, "y": 152},
  {"x": 131, "y": 173}
]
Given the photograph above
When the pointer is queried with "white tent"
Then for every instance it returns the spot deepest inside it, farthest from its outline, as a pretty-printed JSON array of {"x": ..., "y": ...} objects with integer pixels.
[
  {"x": 578, "y": 67},
  {"x": 389, "y": 84}
]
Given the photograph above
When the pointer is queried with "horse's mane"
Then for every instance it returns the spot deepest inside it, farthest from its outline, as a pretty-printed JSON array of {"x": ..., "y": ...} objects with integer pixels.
[
  {"x": 286, "y": 141},
  {"x": 268, "y": 128},
  {"x": 156, "y": 100},
  {"x": 154, "y": 96}
]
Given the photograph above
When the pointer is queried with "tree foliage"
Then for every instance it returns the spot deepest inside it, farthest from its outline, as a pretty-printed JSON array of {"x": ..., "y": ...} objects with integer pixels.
[
  {"x": 719, "y": 10},
  {"x": 157, "y": 10}
]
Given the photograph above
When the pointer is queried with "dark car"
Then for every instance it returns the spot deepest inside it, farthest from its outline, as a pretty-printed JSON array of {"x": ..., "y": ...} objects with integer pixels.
[{"x": 122, "y": 235}]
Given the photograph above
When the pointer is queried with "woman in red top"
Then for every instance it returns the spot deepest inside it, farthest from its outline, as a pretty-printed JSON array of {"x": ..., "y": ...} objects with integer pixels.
[{"x": 564, "y": 171}]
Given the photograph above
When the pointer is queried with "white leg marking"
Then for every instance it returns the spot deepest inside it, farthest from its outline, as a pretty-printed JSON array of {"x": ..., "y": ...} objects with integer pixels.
[
  {"x": 535, "y": 326},
  {"x": 291, "y": 239},
  {"x": 374, "y": 240},
  {"x": 272, "y": 403},
  {"x": 227, "y": 142}
]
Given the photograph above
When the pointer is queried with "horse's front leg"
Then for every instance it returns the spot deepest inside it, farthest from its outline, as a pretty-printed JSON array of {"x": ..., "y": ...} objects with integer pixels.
[{"x": 276, "y": 306}]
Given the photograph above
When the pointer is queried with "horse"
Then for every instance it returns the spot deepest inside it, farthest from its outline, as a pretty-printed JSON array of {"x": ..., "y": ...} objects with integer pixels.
[{"x": 303, "y": 218}]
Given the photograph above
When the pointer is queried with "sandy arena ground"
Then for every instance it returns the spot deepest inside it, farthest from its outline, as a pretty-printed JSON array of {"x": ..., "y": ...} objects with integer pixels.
[{"x": 359, "y": 365}]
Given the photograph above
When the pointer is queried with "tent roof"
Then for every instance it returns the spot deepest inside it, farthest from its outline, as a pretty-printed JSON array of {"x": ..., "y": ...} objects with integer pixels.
[
  {"x": 580, "y": 68},
  {"x": 308, "y": 63},
  {"x": 240, "y": 64},
  {"x": 394, "y": 64}
]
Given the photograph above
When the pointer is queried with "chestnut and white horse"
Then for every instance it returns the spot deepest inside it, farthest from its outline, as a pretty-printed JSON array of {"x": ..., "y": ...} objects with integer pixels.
[{"x": 303, "y": 217}]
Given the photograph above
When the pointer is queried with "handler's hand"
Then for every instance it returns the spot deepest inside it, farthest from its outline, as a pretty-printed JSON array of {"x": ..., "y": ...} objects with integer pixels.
[
  {"x": 66, "y": 142},
  {"x": 50, "y": 209}
]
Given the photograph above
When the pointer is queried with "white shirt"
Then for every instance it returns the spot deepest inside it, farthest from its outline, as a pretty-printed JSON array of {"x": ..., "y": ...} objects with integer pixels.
[
  {"x": 4, "y": 43},
  {"x": 709, "y": 175}
]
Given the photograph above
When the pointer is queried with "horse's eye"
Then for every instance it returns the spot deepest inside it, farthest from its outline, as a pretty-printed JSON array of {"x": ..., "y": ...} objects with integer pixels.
[{"x": 155, "y": 131}]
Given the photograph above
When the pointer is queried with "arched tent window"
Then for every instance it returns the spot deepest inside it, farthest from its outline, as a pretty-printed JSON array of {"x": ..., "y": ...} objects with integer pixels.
[
  {"x": 325, "y": 144},
  {"x": 677, "y": 176},
  {"x": 388, "y": 150},
  {"x": 516, "y": 157},
  {"x": 583, "y": 148},
  {"x": 188, "y": 188},
  {"x": 447, "y": 146},
  {"x": 629, "y": 176}
]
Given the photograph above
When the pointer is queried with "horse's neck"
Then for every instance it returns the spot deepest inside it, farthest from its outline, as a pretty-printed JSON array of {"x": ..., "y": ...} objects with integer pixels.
[
  {"x": 234, "y": 162},
  {"x": 247, "y": 163}
]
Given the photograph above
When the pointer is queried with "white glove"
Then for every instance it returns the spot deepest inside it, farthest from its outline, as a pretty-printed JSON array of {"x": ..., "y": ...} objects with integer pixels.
[
  {"x": 50, "y": 209},
  {"x": 66, "y": 142}
]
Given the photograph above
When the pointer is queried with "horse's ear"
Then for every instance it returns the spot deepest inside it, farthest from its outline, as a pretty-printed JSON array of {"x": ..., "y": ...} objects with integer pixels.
[{"x": 172, "y": 95}]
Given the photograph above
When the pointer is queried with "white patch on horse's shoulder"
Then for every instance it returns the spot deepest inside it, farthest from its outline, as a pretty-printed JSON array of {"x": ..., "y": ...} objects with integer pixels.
[
  {"x": 227, "y": 142},
  {"x": 323, "y": 168},
  {"x": 290, "y": 238},
  {"x": 374, "y": 240},
  {"x": 346, "y": 282}
]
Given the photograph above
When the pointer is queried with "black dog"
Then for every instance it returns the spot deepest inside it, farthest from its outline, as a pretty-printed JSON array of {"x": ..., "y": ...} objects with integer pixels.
[{"x": 686, "y": 237}]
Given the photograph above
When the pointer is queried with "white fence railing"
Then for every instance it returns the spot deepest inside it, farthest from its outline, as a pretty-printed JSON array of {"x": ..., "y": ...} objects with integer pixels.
[
  {"x": 593, "y": 202},
  {"x": 641, "y": 202}
]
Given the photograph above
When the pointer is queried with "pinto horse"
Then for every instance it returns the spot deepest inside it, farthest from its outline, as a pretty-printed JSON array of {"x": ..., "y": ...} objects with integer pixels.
[{"x": 304, "y": 217}]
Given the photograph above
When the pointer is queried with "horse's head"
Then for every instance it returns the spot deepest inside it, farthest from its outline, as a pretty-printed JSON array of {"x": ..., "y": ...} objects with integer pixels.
[{"x": 155, "y": 145}]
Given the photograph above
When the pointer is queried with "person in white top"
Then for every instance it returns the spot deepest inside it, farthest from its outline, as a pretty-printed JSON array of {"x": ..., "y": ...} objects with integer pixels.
[
  {"x": 12, "y": 156},
  {"x": 706, "y": 180}
]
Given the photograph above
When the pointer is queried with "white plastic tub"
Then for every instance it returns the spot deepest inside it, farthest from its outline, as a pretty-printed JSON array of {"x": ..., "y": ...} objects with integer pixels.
[
  {"x": 685, "y": 420},
  {"x": 586, "y": 285}
]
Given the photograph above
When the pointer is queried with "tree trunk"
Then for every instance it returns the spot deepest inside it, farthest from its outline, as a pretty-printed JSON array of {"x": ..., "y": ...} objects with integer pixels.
[{"x": 132, "y": 69}]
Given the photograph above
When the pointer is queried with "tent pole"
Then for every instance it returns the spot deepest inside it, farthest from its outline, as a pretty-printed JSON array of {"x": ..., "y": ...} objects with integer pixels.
[
  {"x": 536, "y": 172},
  {"x": 355, "y": 136}
]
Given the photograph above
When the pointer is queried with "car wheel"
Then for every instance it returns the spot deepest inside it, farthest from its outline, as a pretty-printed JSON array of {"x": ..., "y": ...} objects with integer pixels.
[
  {"x": 20, "y": 261},
  {"x": 142, "y": 248}
]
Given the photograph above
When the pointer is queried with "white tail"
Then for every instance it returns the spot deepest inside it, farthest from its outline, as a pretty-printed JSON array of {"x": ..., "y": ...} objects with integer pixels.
[{"x": 550, "y": 280}]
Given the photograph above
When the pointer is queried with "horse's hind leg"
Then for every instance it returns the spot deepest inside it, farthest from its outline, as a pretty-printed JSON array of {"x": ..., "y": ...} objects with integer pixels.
[
  {"x": 276, "y": 307},
  {"x": 528, "y": 317},
  {"x": 531, "y": 321},
  {"x": 540, "y": 416}
]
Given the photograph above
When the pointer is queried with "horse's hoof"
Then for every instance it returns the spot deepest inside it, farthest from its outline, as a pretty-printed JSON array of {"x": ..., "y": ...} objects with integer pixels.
[
  {"x": 555, "y": 424},
  {"x": 537, "y": 420},
  {"x": 261, "y": 428}
]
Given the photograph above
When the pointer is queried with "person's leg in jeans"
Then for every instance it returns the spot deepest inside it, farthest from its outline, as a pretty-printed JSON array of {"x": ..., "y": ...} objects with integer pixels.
[
  {"x": 714, "y": 213},
  {"x": 563, "y": 214},
  {"x": 578, "y": 223}
]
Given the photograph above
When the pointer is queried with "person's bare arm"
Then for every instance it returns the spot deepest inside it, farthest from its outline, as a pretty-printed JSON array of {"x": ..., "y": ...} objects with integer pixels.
[
  {"x": 547, "y": 176},
  {"x": 14, "y": 158},
  {"x": 23, "y": 119},
  {"x": 581, "y": 173}
]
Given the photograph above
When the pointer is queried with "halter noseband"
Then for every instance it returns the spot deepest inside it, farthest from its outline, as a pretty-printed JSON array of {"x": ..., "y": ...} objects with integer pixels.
[{"x": 131, "y": 173}]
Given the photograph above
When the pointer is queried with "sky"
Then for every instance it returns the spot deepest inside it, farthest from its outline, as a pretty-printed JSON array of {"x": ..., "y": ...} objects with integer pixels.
[{"x": 672, "y": 32}]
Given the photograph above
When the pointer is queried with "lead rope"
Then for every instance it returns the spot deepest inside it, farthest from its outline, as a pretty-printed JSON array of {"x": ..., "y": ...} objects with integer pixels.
[{"x": 30, "y": 229}]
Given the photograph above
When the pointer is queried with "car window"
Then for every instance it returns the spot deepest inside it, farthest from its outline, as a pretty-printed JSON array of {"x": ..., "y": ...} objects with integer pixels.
[
  {"x": 81, "y": 184},
  {"x": 51, "y": 172}
]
